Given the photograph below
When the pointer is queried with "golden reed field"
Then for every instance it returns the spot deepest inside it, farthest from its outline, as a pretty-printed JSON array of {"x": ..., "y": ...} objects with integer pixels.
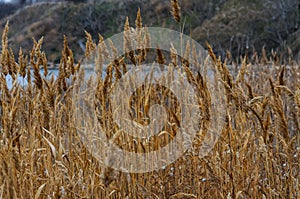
[{"x": 42, "y": 155}]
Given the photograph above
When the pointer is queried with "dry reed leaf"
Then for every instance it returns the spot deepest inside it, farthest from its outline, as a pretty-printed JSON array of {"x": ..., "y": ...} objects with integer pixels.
[
  {"x": 112, "y": 192},
  {"x": 39, "y": 191},
  {"x": 52, "y": 147},
  {"x": 1, "y": 190},
  {"x": 238, "y": 194},
  {"x": 297, "y": 97},
  {"x": 163, "y": 133},
  {"x": 183, "y": 196}
]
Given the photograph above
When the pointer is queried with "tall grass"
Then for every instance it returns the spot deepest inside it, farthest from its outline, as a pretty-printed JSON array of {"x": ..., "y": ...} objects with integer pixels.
[{"x": 42, "y": 156}]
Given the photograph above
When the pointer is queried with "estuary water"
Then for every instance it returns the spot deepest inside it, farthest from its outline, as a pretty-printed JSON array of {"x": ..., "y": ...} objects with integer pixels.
[
  {"x": 55, "y": 72},
  {"x": 23, "y": 81}
]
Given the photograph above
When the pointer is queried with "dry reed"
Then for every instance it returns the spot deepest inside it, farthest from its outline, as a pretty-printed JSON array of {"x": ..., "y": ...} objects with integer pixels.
[{"x": 41, "y": 155}]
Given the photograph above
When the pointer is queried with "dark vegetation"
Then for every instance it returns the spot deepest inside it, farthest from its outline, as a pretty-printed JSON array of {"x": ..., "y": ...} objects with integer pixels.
[
  {"x": 238, "y": 26},
  {"x": 7, "y": 9}
]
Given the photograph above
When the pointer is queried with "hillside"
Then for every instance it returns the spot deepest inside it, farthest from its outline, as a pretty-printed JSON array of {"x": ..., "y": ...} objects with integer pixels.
[
  {"x": 232, "y": 24},
  {"x": 241, "y": 24}
]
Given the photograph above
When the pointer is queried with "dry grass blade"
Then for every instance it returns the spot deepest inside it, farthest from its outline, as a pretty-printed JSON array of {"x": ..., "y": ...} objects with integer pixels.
[
  {"x": 297, "y": 97},
  {"x": 183, "y": 196},
  {"x": 52, "y": 147},
  {"x": 39, "y": 191}
]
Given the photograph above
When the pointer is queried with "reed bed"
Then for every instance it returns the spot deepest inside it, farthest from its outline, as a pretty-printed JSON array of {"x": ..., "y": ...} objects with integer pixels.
[{"x": 42, "y": 156}]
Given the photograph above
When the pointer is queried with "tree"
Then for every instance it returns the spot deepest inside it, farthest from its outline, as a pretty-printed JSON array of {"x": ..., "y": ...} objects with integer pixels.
[{"x": 283, "y": 18}]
